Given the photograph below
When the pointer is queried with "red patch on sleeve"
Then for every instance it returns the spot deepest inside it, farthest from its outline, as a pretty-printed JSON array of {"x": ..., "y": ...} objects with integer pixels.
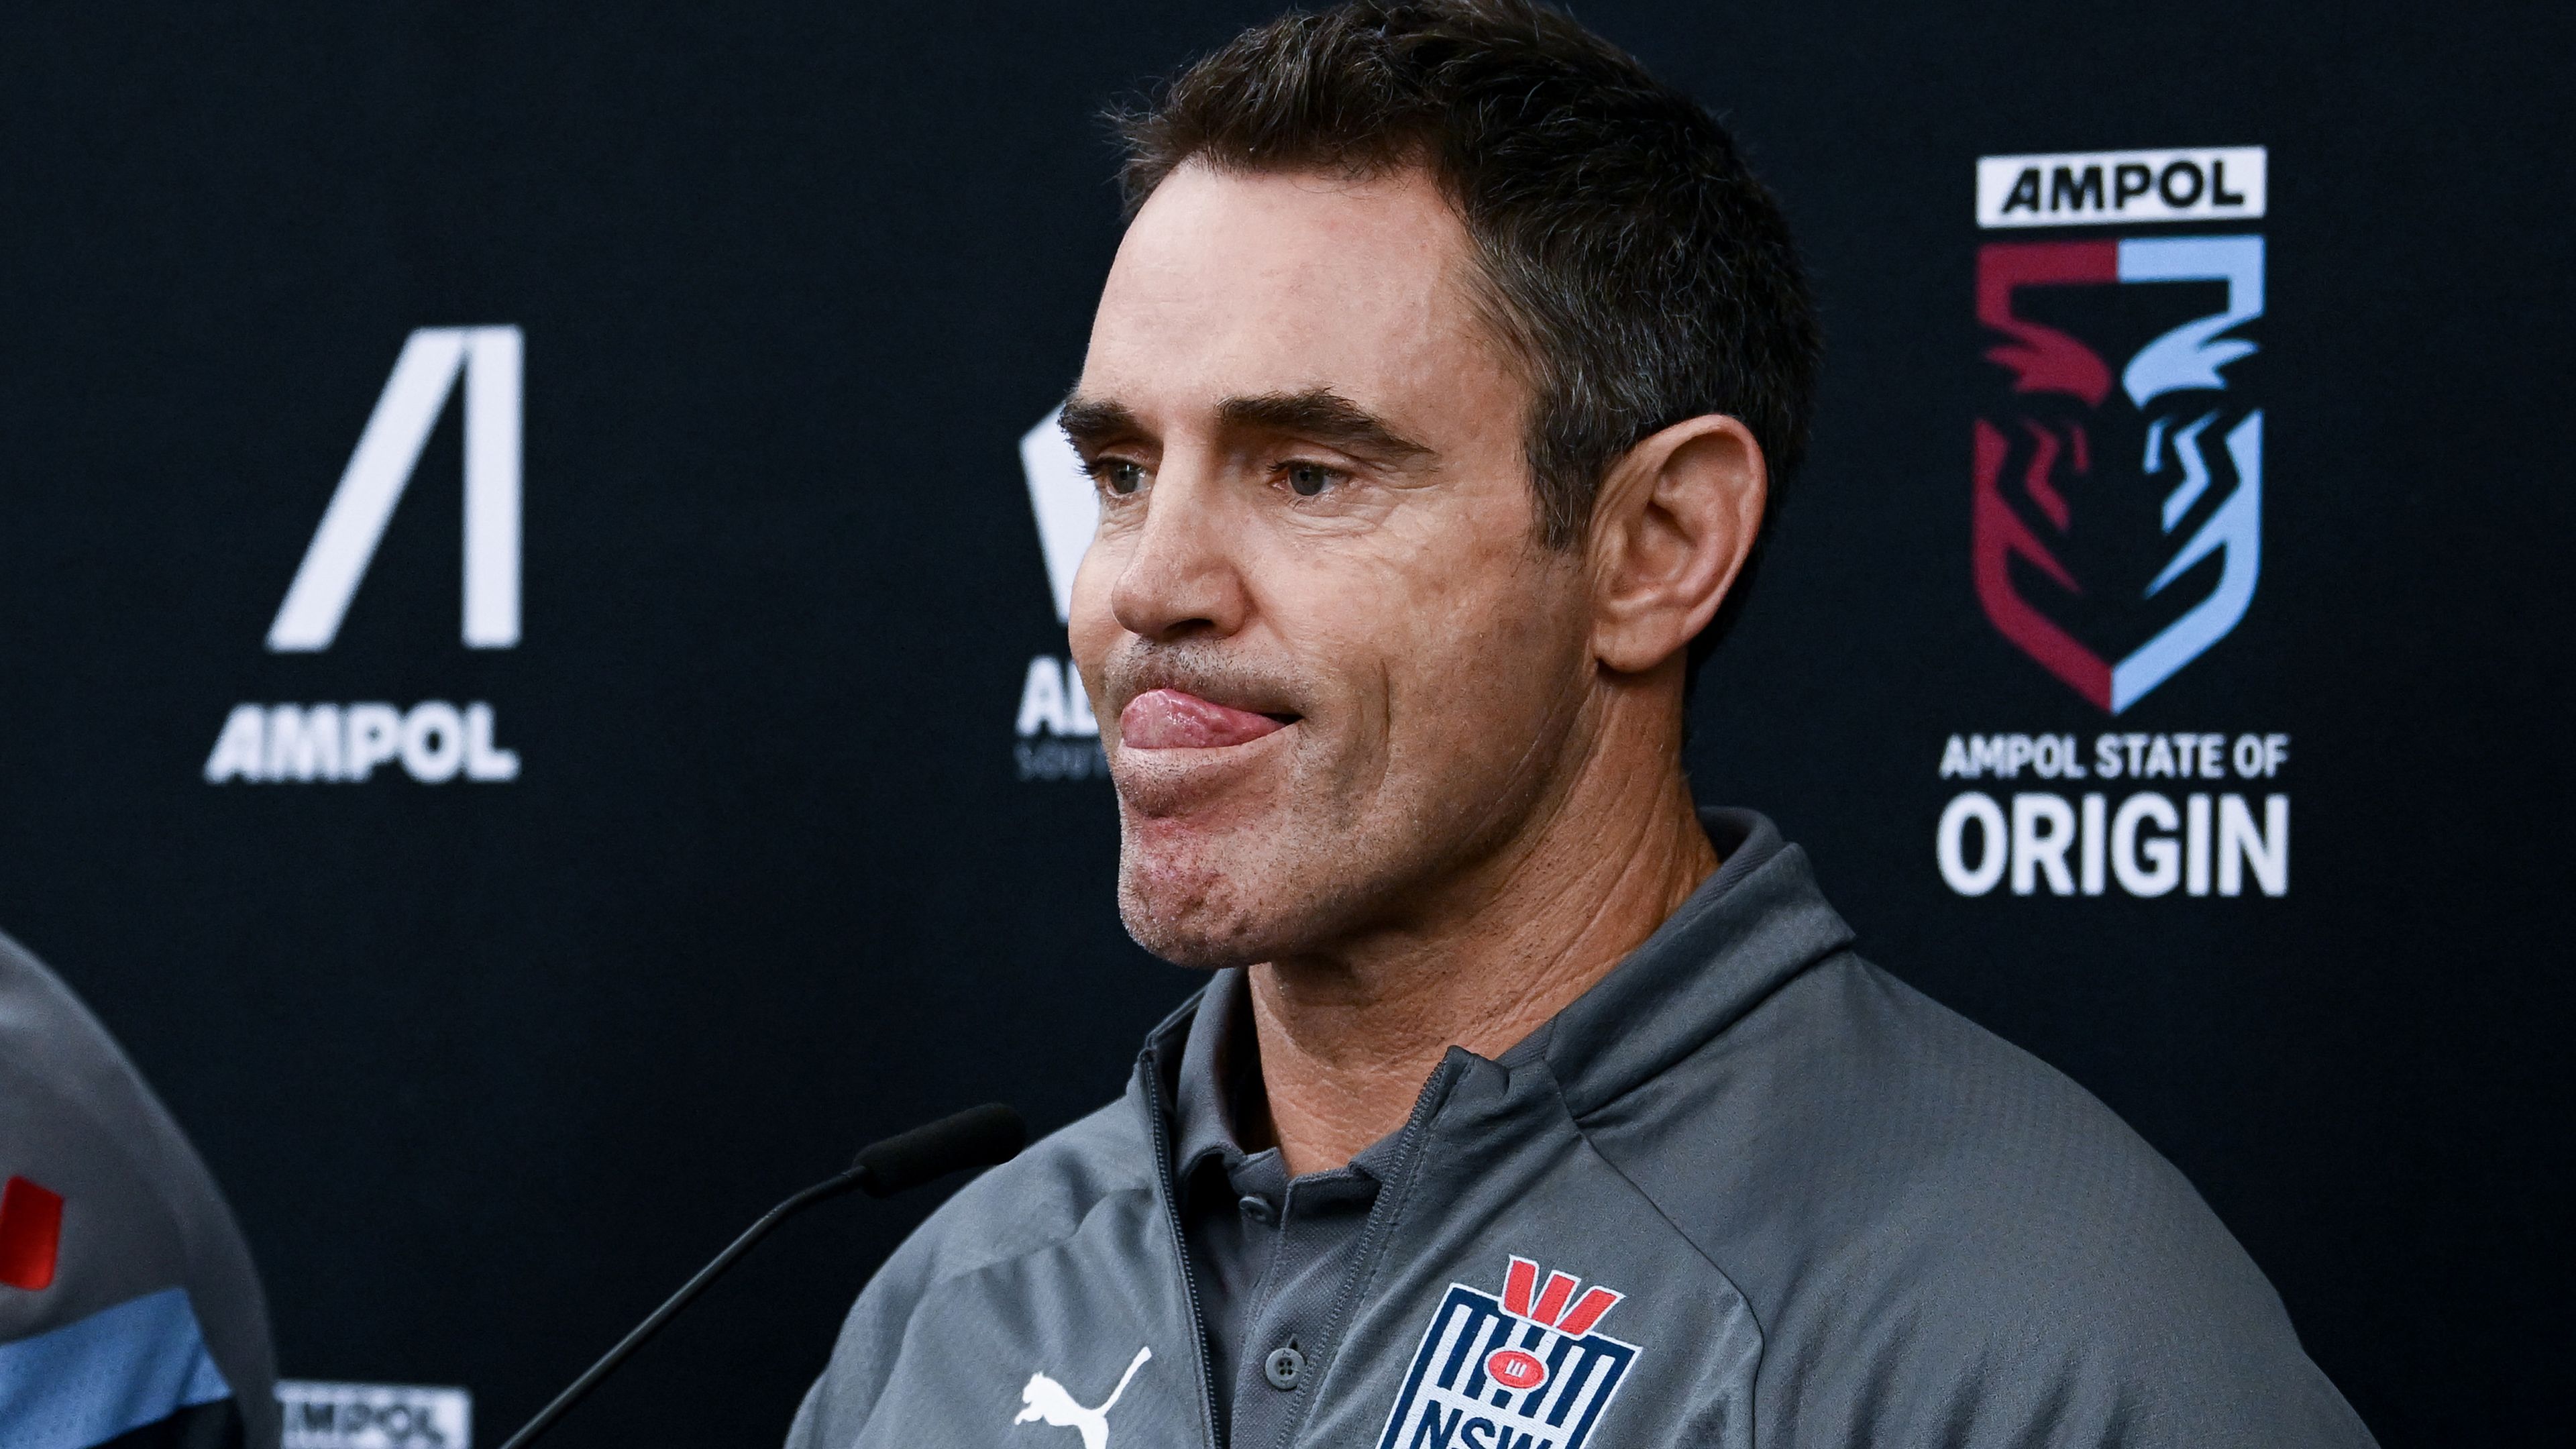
[{"x": 31, "y": 1230}]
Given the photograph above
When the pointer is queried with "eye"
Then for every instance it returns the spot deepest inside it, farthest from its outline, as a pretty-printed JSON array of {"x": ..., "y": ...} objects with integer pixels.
[
  {"x": 1122, "y": 476},
  {"x": 1307, "y": 480}
]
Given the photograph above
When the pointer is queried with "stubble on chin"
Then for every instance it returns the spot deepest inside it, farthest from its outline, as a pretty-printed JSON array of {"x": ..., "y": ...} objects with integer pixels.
[
  {"x": 1235, "y": 898},
  {"x": 1180, "y": 901}
]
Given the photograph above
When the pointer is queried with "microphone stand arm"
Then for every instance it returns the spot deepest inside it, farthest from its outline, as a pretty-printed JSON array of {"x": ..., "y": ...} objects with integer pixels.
[{"x": 829, "y": 1188}]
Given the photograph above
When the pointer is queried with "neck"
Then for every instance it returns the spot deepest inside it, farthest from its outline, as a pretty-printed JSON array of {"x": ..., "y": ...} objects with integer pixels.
[{"x": 1348, "y": 1037}]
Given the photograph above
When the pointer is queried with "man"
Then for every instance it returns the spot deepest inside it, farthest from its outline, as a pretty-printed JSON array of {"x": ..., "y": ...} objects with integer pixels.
[
  {"x": 1435, "y": 399},
  {"x": 129, "y": 1312}
]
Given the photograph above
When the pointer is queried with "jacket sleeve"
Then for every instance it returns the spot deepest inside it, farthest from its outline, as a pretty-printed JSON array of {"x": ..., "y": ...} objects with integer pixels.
[
  {"x": 1034, "y": 1201},
  {"x": 836, "y": 1409}
]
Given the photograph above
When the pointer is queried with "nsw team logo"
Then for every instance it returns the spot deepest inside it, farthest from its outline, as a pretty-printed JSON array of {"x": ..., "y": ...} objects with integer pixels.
[
  {"x": 2118, "y": 462},
  {"x": 1528, "y": 1370}
]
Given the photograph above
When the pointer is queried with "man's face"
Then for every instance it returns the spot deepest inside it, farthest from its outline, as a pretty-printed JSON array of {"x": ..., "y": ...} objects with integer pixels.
[{"x": 1333, "y": 663}]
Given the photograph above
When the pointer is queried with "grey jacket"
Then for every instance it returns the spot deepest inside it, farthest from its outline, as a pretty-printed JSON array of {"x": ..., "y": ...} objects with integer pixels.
[{"x": 1748, "y": 1190}]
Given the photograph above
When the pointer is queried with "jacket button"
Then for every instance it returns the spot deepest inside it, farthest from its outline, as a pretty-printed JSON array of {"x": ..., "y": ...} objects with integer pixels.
[{"x": 1284, "y": 1367}]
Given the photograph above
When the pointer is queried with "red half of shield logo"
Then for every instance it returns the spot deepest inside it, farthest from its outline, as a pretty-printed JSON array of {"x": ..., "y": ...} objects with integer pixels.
[{"x": 2043, "y": 360}]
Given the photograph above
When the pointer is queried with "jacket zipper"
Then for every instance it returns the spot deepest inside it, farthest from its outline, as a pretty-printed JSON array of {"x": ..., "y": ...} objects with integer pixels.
[
  {"x": 1381, "y": 1214},
  {"x": 1170, "y": 1189}
]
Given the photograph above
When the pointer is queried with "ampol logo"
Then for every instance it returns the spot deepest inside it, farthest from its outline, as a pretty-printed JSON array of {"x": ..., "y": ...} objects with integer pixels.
[
  {"x": 434, "y": 741},
  {"x": 2118, "y": 467},
  {"x": 374, "y": 1416}
]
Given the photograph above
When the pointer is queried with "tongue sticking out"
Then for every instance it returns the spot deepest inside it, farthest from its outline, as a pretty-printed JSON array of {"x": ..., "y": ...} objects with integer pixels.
[{"x": 1168, "y": 719}]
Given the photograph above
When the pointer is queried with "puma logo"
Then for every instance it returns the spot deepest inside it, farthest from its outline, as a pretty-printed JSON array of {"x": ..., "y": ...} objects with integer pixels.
[{"x": 1045, "y": 1399}]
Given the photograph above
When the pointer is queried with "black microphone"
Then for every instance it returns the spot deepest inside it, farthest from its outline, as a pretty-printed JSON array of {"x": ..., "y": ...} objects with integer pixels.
[{"x": 976, "y": 1137}]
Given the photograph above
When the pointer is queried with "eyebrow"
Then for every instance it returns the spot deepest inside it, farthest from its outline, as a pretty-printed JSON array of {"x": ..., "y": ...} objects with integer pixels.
[
  {"x": 1096, "y": 422},
  {"x": 1318, "y": 413},
  {"x": 1323, "y": 415}
]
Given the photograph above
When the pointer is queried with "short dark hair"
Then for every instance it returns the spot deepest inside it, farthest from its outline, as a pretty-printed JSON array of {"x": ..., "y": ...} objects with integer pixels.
[{"x": 1639, "y": 272}]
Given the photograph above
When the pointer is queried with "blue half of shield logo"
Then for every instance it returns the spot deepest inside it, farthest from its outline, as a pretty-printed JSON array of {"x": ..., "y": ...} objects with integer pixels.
[{"x": 1527, "y": 1370}]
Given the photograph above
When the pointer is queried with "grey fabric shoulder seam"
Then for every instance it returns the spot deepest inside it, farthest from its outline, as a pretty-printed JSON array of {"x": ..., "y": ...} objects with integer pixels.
[
  {"x": 1055, "y": 1240},
  {"x": 1752, "y": 1310},
  {"x": 1760, "y": 1331}
]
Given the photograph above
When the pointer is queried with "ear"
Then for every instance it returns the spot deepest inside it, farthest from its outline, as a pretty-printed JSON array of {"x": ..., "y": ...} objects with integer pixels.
[{"x": 1676, "y": 518}]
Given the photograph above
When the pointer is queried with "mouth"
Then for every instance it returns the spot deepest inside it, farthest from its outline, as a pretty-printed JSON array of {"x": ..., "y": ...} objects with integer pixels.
[{"x": 1174, "y": 719}]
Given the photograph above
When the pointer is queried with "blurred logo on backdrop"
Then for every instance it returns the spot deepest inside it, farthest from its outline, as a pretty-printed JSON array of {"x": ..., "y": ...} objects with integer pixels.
[
  {"x": 2116, "y": 522},
  {"x": 1054, "y": 734},
  {"x": 374, "y": 1416},
  {"x": 432, "y": 741},
  {"x": 2118, "y": 463}
]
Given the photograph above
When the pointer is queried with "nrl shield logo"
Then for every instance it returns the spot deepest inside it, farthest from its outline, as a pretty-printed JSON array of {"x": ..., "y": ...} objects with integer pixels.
[
  {"x": 1528, "y": 1370},
  {"x": 2119, "y": 460}
]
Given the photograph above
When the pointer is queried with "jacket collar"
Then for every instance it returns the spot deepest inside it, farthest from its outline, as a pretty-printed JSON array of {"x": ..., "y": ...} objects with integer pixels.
[{"x": 1757, "y": 922}]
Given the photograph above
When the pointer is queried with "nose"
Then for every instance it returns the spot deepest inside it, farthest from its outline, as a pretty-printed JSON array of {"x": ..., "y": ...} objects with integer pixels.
[{"x": 1181, "y": 575}]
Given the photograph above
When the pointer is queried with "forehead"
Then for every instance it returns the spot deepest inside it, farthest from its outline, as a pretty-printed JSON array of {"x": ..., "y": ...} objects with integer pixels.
[{"x": 1238, "y": 284}]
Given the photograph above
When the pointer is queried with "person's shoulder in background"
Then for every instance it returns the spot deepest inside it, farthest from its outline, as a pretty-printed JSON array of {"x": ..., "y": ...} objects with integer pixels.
[
  {"x": 129, "y": 1308},
  {"x": 1946, "y": 1240}
]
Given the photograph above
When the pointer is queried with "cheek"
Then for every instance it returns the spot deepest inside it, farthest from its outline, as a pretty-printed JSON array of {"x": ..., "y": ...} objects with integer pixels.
[
  {"x": 1460, "y": 654},
  {"x": 1489, "y": 668},
  {"x": 1506, "y": 635},
  {"x": 1479, "y": 580}
]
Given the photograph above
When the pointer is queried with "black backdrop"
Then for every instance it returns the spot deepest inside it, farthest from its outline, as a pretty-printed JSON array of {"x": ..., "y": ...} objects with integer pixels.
[{"x": 487, "y": 1067}]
